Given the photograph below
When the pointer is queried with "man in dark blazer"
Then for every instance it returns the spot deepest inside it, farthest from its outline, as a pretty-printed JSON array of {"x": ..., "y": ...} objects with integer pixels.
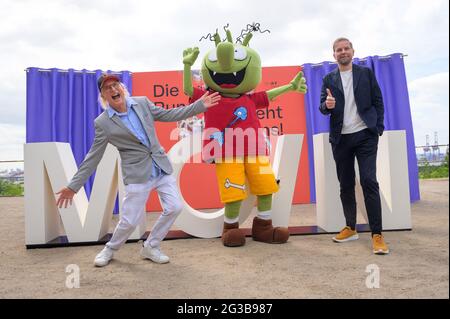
[
  {"x": 128, "y": 124},
  {"x": 351, "y": 96}
]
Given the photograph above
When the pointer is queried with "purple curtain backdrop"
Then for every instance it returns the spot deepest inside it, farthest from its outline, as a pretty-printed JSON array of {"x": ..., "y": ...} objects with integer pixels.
[
  {"x": 390, "y": 74},
  {"x": 62, "y": 106}
]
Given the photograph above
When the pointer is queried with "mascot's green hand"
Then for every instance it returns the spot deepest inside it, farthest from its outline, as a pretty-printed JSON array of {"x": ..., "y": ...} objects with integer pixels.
[
  {"x": 299, "y": 83},
  {"x": 190, "y": 55}
]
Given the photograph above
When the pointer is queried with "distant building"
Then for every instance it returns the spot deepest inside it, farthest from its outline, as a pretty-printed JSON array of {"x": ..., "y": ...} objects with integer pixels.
[
  {"x": 15, "y": 176},
  {"x": 428, "y": 158}
]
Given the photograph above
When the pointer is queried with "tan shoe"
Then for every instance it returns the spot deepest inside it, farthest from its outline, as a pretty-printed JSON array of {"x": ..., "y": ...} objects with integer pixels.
[
  {"x": 379, "y": 246},
  {"x": 346, "y": 234}
]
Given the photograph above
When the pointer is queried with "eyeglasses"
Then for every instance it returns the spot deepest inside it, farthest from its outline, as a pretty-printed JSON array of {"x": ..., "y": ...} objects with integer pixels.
[{"x": 108, "y": 88}]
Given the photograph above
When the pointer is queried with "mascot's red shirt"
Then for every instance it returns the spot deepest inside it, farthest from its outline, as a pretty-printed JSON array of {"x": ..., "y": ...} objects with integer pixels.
[{"x": 232, "y": 128}]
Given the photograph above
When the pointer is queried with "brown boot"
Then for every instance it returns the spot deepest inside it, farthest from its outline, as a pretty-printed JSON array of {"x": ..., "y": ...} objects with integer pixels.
[
  {"x": 264, "y": 231},
  {"x": 232, "y": 236}
]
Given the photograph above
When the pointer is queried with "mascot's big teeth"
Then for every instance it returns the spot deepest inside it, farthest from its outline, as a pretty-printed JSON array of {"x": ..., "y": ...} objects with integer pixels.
[
  {"x": 234, "y": 73},
  {"x": 214, "y": 73}
]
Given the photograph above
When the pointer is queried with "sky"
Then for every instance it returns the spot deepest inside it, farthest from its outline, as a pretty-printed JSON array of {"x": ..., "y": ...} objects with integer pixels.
[{"x": 150, "y": 36}]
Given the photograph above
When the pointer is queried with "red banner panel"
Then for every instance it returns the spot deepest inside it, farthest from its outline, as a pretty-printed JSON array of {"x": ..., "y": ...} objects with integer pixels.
[{"x": 285, "y": 115}]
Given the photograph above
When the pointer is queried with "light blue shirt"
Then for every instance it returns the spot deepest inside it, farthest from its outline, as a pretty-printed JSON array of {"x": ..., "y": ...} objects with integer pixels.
[{"x": 131, "y": 120}]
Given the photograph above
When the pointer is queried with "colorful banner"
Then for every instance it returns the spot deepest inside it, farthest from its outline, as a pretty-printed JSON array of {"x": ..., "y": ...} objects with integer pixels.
[{"x": 285, "y": 115}]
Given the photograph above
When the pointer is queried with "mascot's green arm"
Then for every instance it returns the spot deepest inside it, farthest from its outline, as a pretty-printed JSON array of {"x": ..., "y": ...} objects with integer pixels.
[
  {"x": 273, "y": 93},
  {"x": 297, "y": 84},
  {"x": 189, "y": 57},
  {"x": 187, "y": 81}
]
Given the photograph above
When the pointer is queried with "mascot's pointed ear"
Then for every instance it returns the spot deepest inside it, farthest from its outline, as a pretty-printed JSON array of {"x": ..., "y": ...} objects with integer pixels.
[
  {"x": 229, "y": 36},
  {"x": 217, "y": 38},
  {"x": 247, "y": 39}
]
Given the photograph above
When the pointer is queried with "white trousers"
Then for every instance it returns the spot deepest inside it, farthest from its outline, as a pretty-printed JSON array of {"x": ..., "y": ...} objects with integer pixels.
[{"x": 133, "y": 210}]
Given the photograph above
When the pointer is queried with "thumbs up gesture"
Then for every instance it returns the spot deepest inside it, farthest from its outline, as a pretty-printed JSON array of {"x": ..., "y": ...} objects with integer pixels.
[
  {"x": 330, "y": 102},
  {"x": 299, "y": 83}
]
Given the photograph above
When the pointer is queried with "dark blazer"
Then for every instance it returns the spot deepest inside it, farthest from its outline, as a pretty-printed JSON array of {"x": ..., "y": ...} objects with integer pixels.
[{"x": 368, "y": 98}]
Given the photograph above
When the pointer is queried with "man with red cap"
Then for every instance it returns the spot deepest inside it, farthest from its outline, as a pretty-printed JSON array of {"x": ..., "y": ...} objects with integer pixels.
[{"x": 128, "y": 124}]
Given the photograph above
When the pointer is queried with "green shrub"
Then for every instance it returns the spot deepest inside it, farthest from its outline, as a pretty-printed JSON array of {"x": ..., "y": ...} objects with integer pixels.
[
  {"x": 428, "y": 171},
  {"x": 10, "y": 189}
]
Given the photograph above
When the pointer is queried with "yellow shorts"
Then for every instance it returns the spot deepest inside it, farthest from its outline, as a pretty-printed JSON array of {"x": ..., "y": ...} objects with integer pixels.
[{"x": 231, "y": 175}]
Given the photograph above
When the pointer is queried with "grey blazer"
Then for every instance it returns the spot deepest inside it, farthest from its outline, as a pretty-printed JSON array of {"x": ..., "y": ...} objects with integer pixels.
[{"x": 136, "y": 157}]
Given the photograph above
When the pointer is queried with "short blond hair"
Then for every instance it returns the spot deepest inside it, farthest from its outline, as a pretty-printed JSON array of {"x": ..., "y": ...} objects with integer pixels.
[
  {"x": 340, "y": 40},
  {"x": 104, "y": 104}
]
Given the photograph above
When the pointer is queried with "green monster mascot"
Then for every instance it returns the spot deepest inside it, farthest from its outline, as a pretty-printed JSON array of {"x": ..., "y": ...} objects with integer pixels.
[{"x": 233, "y": 137}]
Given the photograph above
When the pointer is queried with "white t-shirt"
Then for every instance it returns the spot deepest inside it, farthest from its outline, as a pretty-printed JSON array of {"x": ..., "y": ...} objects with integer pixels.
[{"x": 352, "y": 121}]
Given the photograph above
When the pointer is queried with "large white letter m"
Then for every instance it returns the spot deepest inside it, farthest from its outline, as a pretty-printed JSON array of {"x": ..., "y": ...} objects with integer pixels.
[{"x": 48, "y": 168}]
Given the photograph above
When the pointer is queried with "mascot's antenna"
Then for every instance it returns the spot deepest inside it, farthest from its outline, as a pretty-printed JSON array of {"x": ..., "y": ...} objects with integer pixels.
[
  {"x": 208, "y": 36},
  {"x": 250, "y": 28},
  {"x": 225, "y": 28}
]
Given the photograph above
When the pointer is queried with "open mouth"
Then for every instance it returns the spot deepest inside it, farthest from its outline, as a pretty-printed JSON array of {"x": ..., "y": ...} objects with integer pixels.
[
  {"x": 116, "y": 97},
  {"x": 228, "y": 80}
]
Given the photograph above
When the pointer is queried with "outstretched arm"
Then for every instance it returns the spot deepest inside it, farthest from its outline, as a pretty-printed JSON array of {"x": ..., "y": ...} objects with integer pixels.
[
  {"x": 86, "y": 168},
  {"x": 297, "y": 84},
  {"x": 189, "y": 57},
  {"x": 180, "y": 113}
]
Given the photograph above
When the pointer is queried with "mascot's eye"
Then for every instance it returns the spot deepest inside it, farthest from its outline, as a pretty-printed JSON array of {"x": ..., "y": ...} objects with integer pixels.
[
  {"x": 212, "y": 56},
  {"x": 240, "y": 53}
]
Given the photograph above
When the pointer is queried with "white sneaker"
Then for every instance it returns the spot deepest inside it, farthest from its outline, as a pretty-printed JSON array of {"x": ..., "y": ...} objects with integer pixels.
[
  {"x": 154, "y": 254},
  {"x": 103, "y": 258}
]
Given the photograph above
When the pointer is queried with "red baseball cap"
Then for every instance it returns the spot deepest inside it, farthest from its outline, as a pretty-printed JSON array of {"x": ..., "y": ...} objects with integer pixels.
[{"x": 105, "y": 77}]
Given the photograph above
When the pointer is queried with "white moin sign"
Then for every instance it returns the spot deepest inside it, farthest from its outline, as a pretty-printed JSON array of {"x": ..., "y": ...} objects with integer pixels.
[{"x": 50, "y": 166}]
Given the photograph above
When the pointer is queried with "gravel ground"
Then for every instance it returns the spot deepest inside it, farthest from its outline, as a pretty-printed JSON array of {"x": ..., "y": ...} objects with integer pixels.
[{"x": 305, "y": 267}]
